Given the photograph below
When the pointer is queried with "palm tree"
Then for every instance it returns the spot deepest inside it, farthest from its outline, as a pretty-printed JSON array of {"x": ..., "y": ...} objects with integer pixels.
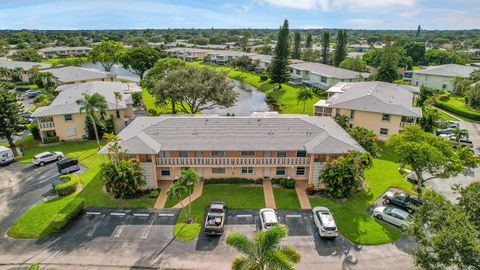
[
  {"x": 92, "y": 105},
  {"x": 264, "y": 251},
  {"x": 189, "y": 178},
  {"x": 343, "y": 121},
  {"x": 176, "y": 189},
  {"x": 459, "y": 133},
  {"x": 304, "y": 95},
  {"x": 118, "y": 97}
]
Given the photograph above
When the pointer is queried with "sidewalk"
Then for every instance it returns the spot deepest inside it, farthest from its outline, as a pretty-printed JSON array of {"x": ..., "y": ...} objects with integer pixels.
[
  {"x": 197, "y": 192},
  {"x": 268, "y": 194},
  {"x": 162, "y": 197},
  {"x": 300, "y": 187}
]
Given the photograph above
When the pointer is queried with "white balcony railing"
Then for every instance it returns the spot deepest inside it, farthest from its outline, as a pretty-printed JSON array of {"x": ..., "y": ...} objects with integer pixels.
[
  {"x": 402, "y": 124},
  {"x": 46, "y": 124},
  {"x": 232, "y": 161}
]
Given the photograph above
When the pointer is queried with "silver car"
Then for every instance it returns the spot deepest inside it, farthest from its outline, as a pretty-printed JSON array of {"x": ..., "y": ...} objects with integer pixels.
[
  {"x": 45, "y": 157},
  {"x": 392, "y": 215},
  {"x": 268, "y": 218},
  {"x": 324, "y": 222}
]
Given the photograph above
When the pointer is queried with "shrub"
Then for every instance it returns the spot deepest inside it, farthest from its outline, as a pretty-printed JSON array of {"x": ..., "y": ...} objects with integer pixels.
[
  {"x": 137, "y": 98},
  {"x": 34, "y": 266},
  {"x": 54, "y": 139},
  {"x": 154, "y": 193},
  {"x": 35, "y": 131},
  {"x": 263, "y": 77},
  {"x": 444, "y": 97},
  {"x": 152, "y": 112},
  {"x": 70, "y": 212},
  {"x": 467, "y": 114},
  {"x": 288, "y": 183},
  {"x": 69, "y": 186}
]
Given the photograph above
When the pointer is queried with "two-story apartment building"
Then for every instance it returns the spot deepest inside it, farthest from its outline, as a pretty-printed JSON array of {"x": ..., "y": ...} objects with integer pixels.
[
  {"x": 187, "y": 54},
  {"x": 322, "y": 76},
  {"x": 440, "y": 77},
  {"x": 62, "y": 118},
  {"x": 384, "y": 108},
  {"x": 23, "y": 66},
  {"x": 63, "y": 52},
  {"x": 262, "y": 145},
  {"x": 72, "y": 74}
]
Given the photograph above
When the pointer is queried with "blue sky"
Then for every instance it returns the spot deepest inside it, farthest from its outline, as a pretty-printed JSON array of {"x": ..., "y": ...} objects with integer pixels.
[{"x": 354, "y": 14}]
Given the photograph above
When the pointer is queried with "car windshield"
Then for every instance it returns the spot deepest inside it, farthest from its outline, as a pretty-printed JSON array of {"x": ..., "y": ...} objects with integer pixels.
[{"x": 388, "y": 210}]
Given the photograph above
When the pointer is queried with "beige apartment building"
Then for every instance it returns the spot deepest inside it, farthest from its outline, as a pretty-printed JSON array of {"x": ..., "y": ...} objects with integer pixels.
[
  {"x": 384, "y": 108},
  {"x": 262, "y": 145},
  {"x": 62, "y": 119},
  {"x": 62, "y": 52}
]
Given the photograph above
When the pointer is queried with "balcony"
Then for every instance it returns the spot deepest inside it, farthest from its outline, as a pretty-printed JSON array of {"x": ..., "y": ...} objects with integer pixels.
[
  {"x": 403, "y": 124},
  {"x": 233, "y": 161},
  {"x": 46, "y": 125}
]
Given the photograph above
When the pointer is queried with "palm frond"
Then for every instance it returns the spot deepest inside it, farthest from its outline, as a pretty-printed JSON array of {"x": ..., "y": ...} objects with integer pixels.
[
  {"x": 241, "y": 243},
  {"x": 275, "y": 259},
  {"x": 270, "y": 239},
  {"x": 291, "y": 253},
  {"x": 244, "y": 263}
]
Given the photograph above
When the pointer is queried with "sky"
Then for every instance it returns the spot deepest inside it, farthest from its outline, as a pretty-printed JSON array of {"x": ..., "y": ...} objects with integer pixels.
[{"x": 161, "y": 14}]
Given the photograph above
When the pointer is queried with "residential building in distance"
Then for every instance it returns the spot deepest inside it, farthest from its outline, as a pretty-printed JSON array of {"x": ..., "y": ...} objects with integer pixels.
[
  {"x": 72, "y": 74},
  {"x": 384, "y": 108},
  {"x": 262, "y": 145},
  {"x": 440, "y": 77},
  {"x": 64, "y": 52},
  {"x": 62, "y": 118},
  {"x": 323, "y": 76},
  {"x": 24, "y": 66},
  {"x": 187, "y": 54}
]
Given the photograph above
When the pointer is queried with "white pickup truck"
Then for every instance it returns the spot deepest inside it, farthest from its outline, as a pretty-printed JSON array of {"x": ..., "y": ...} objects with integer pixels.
[{"x": 215, "y": 218}]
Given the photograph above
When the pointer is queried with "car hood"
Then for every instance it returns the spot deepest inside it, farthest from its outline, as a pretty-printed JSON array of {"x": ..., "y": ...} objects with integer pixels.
[
  {"x": 389, "y": 194},
  {"x": 379, "y": 209}
]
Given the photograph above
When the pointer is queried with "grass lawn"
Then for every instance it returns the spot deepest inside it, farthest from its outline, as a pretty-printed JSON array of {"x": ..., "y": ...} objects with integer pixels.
[
  {"x": 286, "y": 96},
  {"x": 53, "y": 61},
  {"x": 173, "y": 200},
  {"x": 457, "y": 107},
  {"x": 36, "y": 221},
  {"x": 236, "y": 196},
  {"x": 445, "y": 116},
  {"x": 351, "y": 217},
  {"x": 286, "y": 198}
]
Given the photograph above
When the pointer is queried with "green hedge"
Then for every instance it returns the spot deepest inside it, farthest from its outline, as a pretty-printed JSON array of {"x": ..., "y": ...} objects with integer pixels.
[
  {"x": 70, "y": 185},
  {"x": 233, "y": 181},
  {"x": 70, "y": 212},
  {"x": 284, "y": 182},
  {"x": 51, "y": 139},
  {"x": 470, "y": 115}
]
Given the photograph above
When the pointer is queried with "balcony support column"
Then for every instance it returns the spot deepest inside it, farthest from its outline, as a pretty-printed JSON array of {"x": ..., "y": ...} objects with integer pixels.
[{"x": 310, "y": 168}]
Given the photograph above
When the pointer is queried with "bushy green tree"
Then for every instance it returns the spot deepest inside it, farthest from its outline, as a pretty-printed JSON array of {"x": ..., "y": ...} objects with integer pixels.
[
  {"x": 243, "y": 62},
  {"x": 469, "y": 201},
  {"x": 107, "y": 53},
  {"x": 29, "y": 55},
  {"x": 11, "y": 119},
  {"x": 441, "y": 57},
  {"x": 311, "y": 55},
  {"x": 430, "y": 120},
  {"x": 139, "y": 59},
  {"x": 416, "y": 50},
  {"x": 460, "y": 85},
  {"x": 472, "y": 97},
  {"x": 366, "y": 138},
  {"x": 355, "y": 64},
  {"x": 388, "y": 69},
  {"x": 279, "y": 72}
]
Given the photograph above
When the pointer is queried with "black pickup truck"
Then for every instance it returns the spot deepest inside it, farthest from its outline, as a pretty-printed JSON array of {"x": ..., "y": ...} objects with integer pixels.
[
  {"x": 402, "y": 200},
  {"x": 215, "y": 219}
]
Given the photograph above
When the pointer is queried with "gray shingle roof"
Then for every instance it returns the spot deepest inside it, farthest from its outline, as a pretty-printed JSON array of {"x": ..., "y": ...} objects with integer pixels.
[
  {"x": 65, "y": 102},
  {"x": 450, "y": 70},
  {"x": 326, "y": 70},
  {"x": 378, "y": 97},
  {"x": 149, "y": 135},
  {"x": 72, "y": 74},
  {"x": 56, "y": 49},
  {"x": 21, "y": 64}
]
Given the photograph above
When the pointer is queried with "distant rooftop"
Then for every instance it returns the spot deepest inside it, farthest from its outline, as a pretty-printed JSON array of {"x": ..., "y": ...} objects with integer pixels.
[
  {"x": 56, "y": 49},
  {"x": 73, "y": 74},
  {"x": 449, "y": 70},
  {"x": 326, "y": 70},
  {"x": 22, "y": 64}
]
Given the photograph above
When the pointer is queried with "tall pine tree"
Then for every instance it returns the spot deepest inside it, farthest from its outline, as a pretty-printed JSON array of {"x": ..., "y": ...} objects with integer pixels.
[
  {"x": 341, "y": 49},
  {"x": 297, "y": 51},
  {"x": 279, "y": 72},
  {"x": 387, "y": 71},
  {"x": 419, "y": 30},
  {"x": 325, "y": 47},
  {"x": 309, "y": 41}
]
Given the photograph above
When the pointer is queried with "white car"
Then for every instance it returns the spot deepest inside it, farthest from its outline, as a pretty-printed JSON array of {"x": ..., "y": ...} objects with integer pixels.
[
  {"x": 268, "y": 218},
  {"x": 392, "y": 215},
  {"x": 45, "y": 157},
  {"x": 324, "y": 222}
]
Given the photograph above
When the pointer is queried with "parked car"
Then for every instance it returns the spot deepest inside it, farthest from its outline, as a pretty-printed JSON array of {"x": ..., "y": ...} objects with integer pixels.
[
  {"x": 444, "y": 131},
  {"x": 324, "y": 222},
  {"x": 45, "y": 157},
  {"x": 402, "y": 200},
  {"x": 392, "y": 215},
  {"x": 32, "y": 93},
  {"x": 268, "y": 218},
  {"x": 67, "y": 166},
  {"x": 452, "y": 124},
  {"x": 22, "y": 89},
  {"x": 215, "y": 218},
  {"x": 6, "y": 155}
]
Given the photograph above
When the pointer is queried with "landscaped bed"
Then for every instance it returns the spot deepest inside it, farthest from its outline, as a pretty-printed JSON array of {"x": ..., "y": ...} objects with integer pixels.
[{"x": 457, "y": 106}]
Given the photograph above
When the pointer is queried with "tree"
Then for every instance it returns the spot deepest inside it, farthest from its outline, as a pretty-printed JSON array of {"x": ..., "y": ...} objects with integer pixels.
[
  {"x": 279, "y": 72},
  {"x": 459, "y": 133},
  {"x": 264, "y": 251},
  {"x": 472, "y": 97},
  {"x": 297, "y": 50},
  {"x": 427, "y": 95},
  {"x": 444, "y": 234},
  {"x": 341, "y": 48},
  {"x": 426, "y": 153},
  {"x": 387, "y": 71},
  {"x": 139, "y": 59},
  {"x": 475, "y": 75},
  {"x": 188, "y": 179},
  {"x": 419, "y": 30},
  {"x": 29, "y": 55},
  {"x": 199, "y": 89},
  {"x": 309, "y": 41},
  {"x": 366, "y": 138},
  {"x": 11, "y": 119},
  {"x": 176, "y": 189},
  {"x": 345, "y": 174},
  {"x": 304, "y": 95},
  {"x": 355, "y": 64},
  {"x": 107, "y": 53},
  {"x": 93, "y": 105},
  {"x": 469, "y": 201},
  {"x": 343, "y": 121},
  {"x": 157, "y": 73},
  {"x": 244, "y": 40},
  {"x": 325, "y": 47},
  {"x": 243, "y": 62},
  {"x": 416, "y": 50},
  {"x": 118, "y": 97},
  {"x": 440, "y": 57},
  {"x": 311, "y": 55},
  {"x": 264, "y": 49},
  {"x": 460, "y": 85},
  {"x": 430, "y": 120}
]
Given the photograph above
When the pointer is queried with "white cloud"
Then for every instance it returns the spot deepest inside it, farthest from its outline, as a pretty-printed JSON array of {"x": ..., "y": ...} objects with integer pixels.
[
  {"x": 350, "y": 5},
  {"x": 365, "y": 22}
]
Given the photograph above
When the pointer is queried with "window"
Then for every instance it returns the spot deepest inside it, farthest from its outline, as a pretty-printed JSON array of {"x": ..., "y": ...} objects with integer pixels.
[
  {"x": 183, "y": 153},
  {"x": 323, "y": 79},
  {"x": 217, "y": 153},
  {"x": 248, "y": 170},
  {"x": 352, "y": 114},
  {"x": 444, "y": 86},
  {"x": 117, "y": 113},
  {"x": 337, "y": 111},
  {"x": 386, "y": 117},
  {"x": 165, "y": 171},
  {"x": 68, "y": 117},
  {"x": 301, "y": 153},
  {"x": 300, "y": 170},
  {"x": 297, "y": 71},
  {"x": 384, "y": 131},
  {"x": 218, "y": 170},
  {"x": 247, "y": 153},
  {"x": 282, "y": 154},
  {"x": 71, "y": 132},
  {"x": 164, "y": 154},
  {"x": 281, "y": 171},
  {"x": 416, "y": 83}
]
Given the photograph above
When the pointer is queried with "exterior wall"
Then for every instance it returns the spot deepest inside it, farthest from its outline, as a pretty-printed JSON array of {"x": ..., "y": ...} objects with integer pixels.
[{"x": 432, "y": 81}]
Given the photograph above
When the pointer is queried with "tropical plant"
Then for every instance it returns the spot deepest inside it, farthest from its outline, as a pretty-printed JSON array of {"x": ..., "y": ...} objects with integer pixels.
[
  {"x": 366, "y": 138},
  {"x": 122, "y": 177},
  {"x": 430, "y": 120},
  {"x": 263, "y": 251},
  {"x": 107, "y": 53},
  {"x": 459, "y": 133},
  {"x": 176, "y": 189},
  {"x": 243, "y": 62},
  {"x": 188, "y": 179},
  {"x": 93, "y": 105},
  {"x": 460, "y": 85},
  {"x": 343, "y": 121},
  {"x": 118, "y": 97},
  {"x": 304, "y": 95},
  {"x": 469, "y": 201}
]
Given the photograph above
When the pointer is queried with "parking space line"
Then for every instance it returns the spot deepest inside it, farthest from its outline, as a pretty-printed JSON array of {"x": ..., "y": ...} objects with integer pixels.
[
  {"x": 243, "y": 215},
  {"x": 141, "y": 214},
  {"x": 309, "y": 230},
  {"x": 120, "y": 227},
  {"x": 117, "y": 214},
  {"x": 95, "y": 226},
  {"x": 293, "y": 216},
  {"x": 93, "y": 213},
  {"x": 166, "y": 215},
  {"x": 146, "y": 231}
]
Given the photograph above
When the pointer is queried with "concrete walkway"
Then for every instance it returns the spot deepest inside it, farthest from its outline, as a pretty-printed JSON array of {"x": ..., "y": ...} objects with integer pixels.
[
  {"x": 300, "y": 188},
  {"x": 268, "y": 194},
  {"x": 197, "y": 192},
  {"x": 447, "y": 113},
  {"x": 162, "y": 197}
]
